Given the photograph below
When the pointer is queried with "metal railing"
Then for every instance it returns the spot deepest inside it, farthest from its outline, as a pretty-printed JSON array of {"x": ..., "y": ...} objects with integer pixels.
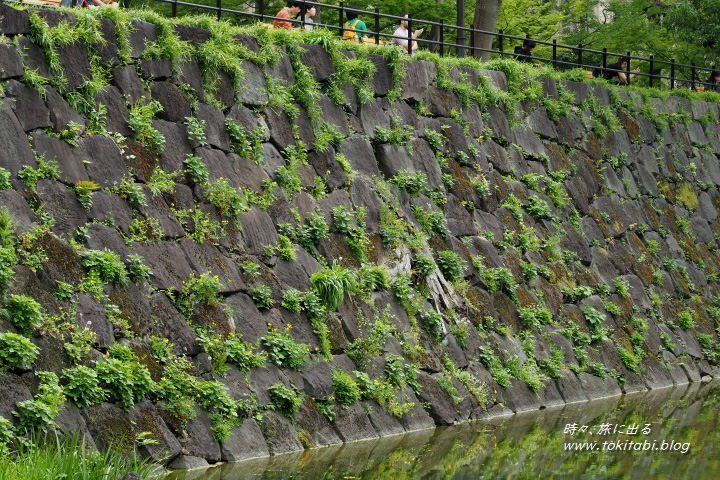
[{"x": 450, "y": 39}]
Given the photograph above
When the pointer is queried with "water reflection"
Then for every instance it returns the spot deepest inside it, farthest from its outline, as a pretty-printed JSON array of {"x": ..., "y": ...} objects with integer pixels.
[{"x": 530, "y": 445}]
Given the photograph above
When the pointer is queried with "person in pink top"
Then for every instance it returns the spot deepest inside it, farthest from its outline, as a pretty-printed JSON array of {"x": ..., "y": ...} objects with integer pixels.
[{"x": 290, "y": 10}]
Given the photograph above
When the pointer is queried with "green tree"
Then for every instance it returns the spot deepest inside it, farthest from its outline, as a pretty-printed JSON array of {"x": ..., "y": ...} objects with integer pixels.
[{"x": 696, "y": 22}]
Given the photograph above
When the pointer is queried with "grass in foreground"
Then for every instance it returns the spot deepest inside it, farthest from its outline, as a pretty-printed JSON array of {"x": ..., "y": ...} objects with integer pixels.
[{"x": 70, "y": 459}]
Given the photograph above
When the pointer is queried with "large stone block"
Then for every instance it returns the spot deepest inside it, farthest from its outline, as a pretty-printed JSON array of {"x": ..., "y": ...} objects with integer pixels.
[
  {"x": 128, "y": 82},
  {"x": 279, "y": 433},
  {"x": 110, "y": 427},
  {"x": 498, "y": 123},
  {"x": 352, "y": 423},
  {"x": 215, "y": 131},
  {"x": 103, "y": 161},
  {"x": 418, "y": 78},
  {"x": 23, "y": 216},
  {"x": 360, "y": 153},
  {"x": 541, "y": 123},
  {"x": 193, "y": 35},
  {"x": 14, "y": 21},
  {"x": 525, "y": 138},
  {"x": 101, "y": 236},
  {"x": 167, "y": 262},
  {"x": 207, "y": 258},
  {"x": 29, "y": 107},
  {"x": 363, "y": 195},
  {"x": 392, "y": 159},
  {"x": 108, "y": 49},
  {"x": 14, "y": 391},
  {"x": 168, "y": 323},
  {"x": 497, "y": 78},
  {"x": 71, "y": 166},
  {"x": 155, "y": 68},
  {"x": 60, "y": 112},
  {"x": 580, "y": 90},
  {"x": 191, "y": 75},
  {"x": 374, "y": 114},
  {"x": 441, "y": 102},
  {"x": 15, "y": 151},
  {"x": 283, "y": 70},
  {"x": 459, "y": 221},
  {"x": 249, "y": 41},
  {"x": 319, "y": 61},
  {"x": 12, "y": 66},
  {"x": 280, "y": 128},
  {"x": 253, "y": 90},
  {"x": 199, "y": 441},
  {"x": 248, "y": 173},
  {"x": 328, "y": 168},
  {"x": 32, "y": 55},
  {"x": 63, "y": 205},
  {"x": 109, "y": 207},
  {"x": 147, "y": 419},
  {"x": 54, "y": 17},
  {"x": 381, "y": 82},
  {"x": 140, "y": 33},
  {"x": 75, "y": 64},
  {"x": 333, "y": 114},
  {"x": 118, "y": 116},
  {"x": 258, "y": 231},
  {"x": 175, "y": 102},
  {"x": 244, "y": 442}
]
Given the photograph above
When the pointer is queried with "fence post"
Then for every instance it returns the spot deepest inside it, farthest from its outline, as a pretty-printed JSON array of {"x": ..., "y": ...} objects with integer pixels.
[
  {"x": 628, "y": 67},
  {"x": 409, "y": 34},
  {"x": 604, "y": 59},
  {"x": 672, "y": 73},
  {"x": 500, "y": 43},
  {"x": 341, "y": 15},
  {"x": 261, "y": 7},
  {"x": 554, "y": 52},
  {"x": 174, "y": 8},
  {"x": 580, "y": 50},
  {"x": 472, "y": 42},
  {"x": 442, "y": 38},
  {"x": 692, "y": 75},
  {"x": 377, "y": 25},
  {"x": 219, "y": 9},
  {"x": 652, "y": 69},
  {"x": 302, "y": 15}
]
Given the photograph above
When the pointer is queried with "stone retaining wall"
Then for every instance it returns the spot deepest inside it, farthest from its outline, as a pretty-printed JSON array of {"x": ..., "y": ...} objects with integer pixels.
[{"x": 608, "y": 237}]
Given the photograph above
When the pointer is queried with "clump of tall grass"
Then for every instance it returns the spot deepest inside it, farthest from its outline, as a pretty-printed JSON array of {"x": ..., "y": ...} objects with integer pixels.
[{"x": 71, "y": 459}]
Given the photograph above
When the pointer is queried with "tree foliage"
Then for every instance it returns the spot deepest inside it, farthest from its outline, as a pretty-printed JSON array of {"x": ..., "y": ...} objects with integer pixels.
[{"x": 696, "y": 22}]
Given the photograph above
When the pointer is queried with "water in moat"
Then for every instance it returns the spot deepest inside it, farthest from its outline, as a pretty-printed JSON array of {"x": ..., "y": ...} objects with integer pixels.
[{"x": 672, "y": 433}]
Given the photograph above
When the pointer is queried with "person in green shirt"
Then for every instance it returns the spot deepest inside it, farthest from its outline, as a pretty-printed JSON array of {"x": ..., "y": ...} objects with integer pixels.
[{"x": 354, "y": 23}]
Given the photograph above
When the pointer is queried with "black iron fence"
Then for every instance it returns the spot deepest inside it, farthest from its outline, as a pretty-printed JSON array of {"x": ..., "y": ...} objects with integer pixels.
[{"x": 448, "y": 39}]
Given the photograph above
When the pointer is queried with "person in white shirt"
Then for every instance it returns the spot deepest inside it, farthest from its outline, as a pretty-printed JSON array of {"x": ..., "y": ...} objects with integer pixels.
[{"x": 401, "y": 35}]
